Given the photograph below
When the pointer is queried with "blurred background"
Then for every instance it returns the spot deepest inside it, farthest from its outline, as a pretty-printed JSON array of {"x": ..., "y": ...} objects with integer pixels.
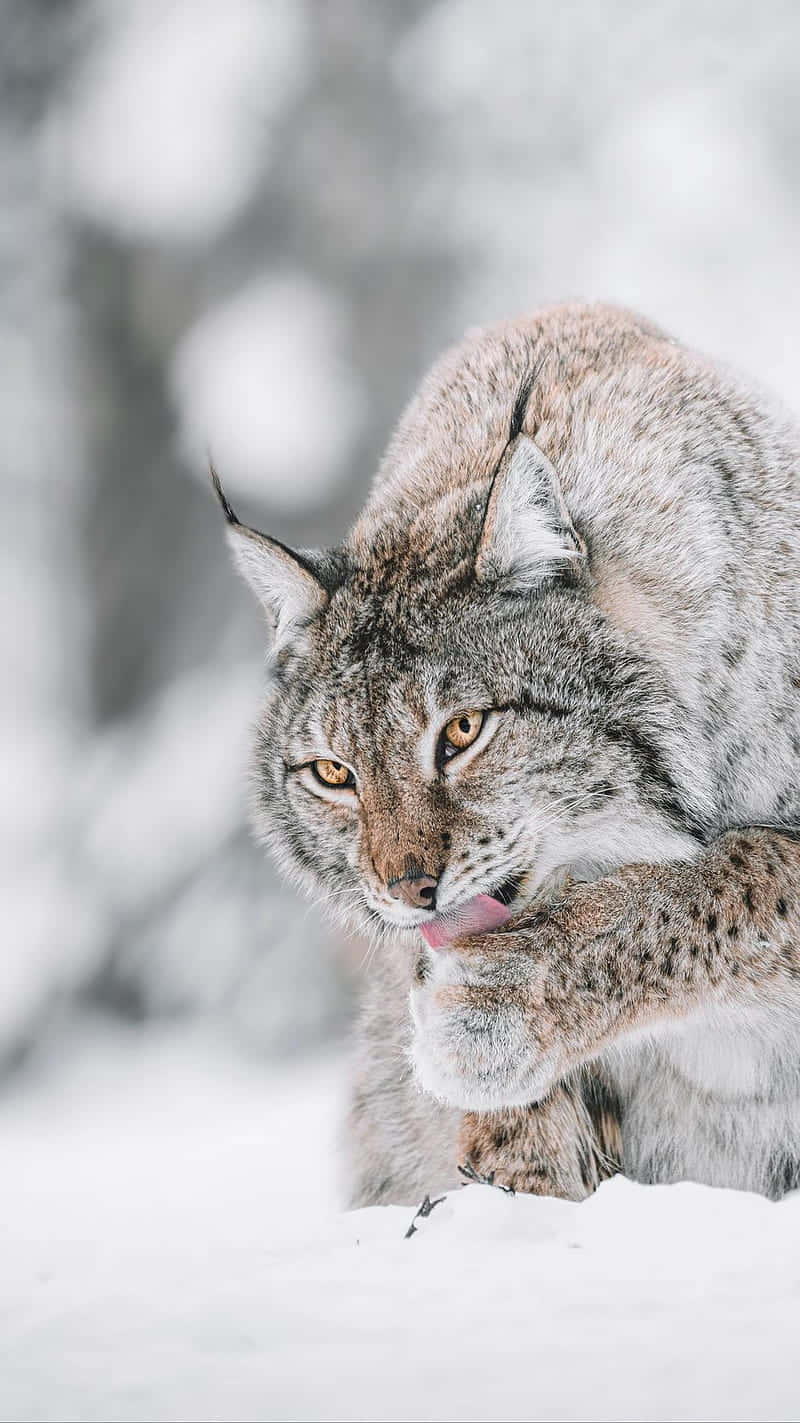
[{"x": 219, "y": 218}]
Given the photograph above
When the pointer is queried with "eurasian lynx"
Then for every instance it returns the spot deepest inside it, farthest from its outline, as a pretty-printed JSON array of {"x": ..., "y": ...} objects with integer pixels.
[{"x": 556, "y": 666}]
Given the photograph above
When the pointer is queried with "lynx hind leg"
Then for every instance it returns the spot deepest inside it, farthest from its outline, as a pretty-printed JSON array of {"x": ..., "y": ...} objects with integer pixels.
[{"x": 562, "y": 1146}]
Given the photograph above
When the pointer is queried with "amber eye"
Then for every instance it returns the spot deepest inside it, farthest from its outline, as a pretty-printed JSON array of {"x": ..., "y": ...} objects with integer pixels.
[
  {"x": 333, "y": 773},
  {"x": 461, "y": 732}
]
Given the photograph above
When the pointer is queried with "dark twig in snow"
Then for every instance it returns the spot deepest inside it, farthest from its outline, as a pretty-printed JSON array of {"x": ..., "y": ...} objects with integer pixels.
[{"x": 425, "y": 1209}]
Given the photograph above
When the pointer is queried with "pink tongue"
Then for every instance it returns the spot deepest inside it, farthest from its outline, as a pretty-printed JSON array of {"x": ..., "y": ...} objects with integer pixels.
[{"x": 477, "y": 916}]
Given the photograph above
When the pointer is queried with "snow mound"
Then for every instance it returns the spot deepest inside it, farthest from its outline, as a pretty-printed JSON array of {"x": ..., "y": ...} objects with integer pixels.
[{"x": 171, "y": 1250}]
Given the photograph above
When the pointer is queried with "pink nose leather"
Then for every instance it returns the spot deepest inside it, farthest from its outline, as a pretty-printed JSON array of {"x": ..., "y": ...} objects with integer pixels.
[{"x": 419, "y": 893}]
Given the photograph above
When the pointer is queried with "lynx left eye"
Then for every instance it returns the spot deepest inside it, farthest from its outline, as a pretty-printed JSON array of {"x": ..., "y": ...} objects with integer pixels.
[{"x": 460, "y": 733}]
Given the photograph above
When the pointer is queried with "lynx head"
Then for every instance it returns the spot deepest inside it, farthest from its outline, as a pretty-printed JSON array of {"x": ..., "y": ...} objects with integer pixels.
[{"x": 448, "y": 713}]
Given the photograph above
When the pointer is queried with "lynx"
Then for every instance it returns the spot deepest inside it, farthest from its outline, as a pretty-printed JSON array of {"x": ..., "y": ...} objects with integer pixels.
[{"x": 535, "y": 728}]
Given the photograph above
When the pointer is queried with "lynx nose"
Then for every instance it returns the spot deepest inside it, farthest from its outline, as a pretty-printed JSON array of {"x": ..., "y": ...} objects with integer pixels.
[{"x": 417, "y": 890}]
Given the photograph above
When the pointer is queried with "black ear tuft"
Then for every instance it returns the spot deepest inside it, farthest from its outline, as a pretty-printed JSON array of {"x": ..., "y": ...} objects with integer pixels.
[
  {"x": 521, "y": 403},
  {"x": 221, "y": 495}
]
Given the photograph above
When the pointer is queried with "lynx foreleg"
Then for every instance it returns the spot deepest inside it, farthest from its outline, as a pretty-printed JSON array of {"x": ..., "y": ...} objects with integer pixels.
[
  {"x": 502, "y": 1017},
  {"x": 564, "y": 1145}
]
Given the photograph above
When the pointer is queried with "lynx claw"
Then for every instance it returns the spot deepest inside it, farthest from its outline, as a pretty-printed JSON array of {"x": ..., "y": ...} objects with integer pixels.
[{"x": 467, "y": 1170}]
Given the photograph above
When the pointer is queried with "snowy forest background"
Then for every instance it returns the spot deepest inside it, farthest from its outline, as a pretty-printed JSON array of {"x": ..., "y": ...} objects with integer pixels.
[{"x": 248, "y": 225}]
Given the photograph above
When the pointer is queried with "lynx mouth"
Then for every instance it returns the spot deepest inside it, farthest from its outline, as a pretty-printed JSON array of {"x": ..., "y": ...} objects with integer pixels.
[
  {"x": 507, "y": 892},
  {"x": 478, "y": 915}
]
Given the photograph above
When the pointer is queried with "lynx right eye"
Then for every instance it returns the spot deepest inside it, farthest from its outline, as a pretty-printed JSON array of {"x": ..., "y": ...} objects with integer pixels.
[{"x": 333, "y": 773}]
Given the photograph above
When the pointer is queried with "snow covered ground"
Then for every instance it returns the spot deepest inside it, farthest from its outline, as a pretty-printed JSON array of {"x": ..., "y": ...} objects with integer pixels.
[{"x": 171, "y": 1249}]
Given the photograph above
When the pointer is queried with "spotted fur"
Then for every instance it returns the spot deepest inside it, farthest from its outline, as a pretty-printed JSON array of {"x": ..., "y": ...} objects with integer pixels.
[{"x": 595, "y": 532}]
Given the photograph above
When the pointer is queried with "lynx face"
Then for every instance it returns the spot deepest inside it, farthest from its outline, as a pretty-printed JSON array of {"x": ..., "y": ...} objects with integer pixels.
[{"x": 449, "y": 715}]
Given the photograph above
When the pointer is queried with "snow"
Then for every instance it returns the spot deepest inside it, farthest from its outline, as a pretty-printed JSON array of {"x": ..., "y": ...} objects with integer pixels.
[{"x": 172, "y": 1249}]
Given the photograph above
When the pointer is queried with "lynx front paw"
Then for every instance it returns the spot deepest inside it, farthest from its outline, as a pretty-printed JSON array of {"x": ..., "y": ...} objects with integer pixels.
[
  {"x": 482, "y": 1034},
  {"x": 499, "y": 1018}
]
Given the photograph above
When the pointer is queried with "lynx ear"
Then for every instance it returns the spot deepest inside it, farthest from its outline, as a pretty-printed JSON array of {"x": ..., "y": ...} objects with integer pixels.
[
  {"x": 285, "y": 582},
  {"x": 527, "y": 531}
]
